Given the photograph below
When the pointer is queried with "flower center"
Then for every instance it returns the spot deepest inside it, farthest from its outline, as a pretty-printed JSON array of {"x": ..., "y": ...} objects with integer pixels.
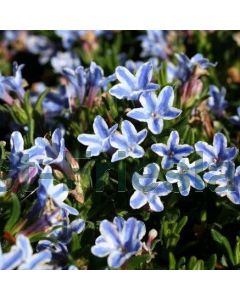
[{"x": 154, "y": 115}]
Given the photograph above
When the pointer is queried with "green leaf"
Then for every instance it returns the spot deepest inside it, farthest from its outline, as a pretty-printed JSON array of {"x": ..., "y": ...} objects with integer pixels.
[
  {"x": 15, "y": 214},
  {"x": 223, "y": 241},
  {"x": 172, "y": 261},
  {"x": 38, "y": 105}
]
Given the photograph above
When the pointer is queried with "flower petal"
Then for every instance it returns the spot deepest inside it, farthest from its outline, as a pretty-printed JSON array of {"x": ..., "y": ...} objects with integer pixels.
[{"x": 138, "y": 200}]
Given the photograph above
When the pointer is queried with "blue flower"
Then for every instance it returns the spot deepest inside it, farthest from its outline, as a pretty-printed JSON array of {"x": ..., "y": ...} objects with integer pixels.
[
  {"x": 217, "y": 154},
  {"x": 68, "y": 37},
  {"x": 186, "y": 66},
  {"x": 12, "y": 84},
  {"x": 40, "y": 45},
  {"x": 130, "y": 86},
  {"x": 156, "y": 109},
  {"x": 64, "y": 60},
  {"x": 236, "y": 119},
  {"x": 60, "y": 238},
  {"x": 186, "y": 175},
  {"x": 155, "y": 44},
  {"x": 56, "y": 194},
  {"x": 100, "y": 141},
  {"x": 128, "y": 142},
  {"x": 228, "y": 181},
  {"x": 217, "y": 102},
  {"x": 24, "y": 164},
  {"x": 86, "y": 83},
  {"x": 21, "y": 256},
  {"x": 148, "y": 189},
  {"x": 53, "y": 153},
  {"x": 119, "y": 240},
  {"x": 172, "y": 153}
]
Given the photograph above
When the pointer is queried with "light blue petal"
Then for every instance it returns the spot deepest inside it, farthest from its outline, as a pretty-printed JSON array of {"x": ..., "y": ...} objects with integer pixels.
[
  {"x": 155, "y": 125},
  {"x": 172, "y": 176},
  {"x": 148, "y": 101},
  {"x": 160, "y": 149},
  {"x": 138, "y": 114},
  {"x": 109, "y": 232},
  {"x": 120, "y": 91},
  {"x": 165, "y": 99},
  {"x": 37, "y": 260},
  {"x": 173, "y": 140},
  {"x": 184, "y": 185},
  {"x": 144, "y": 75},
  {"x": 205, "y": 151},
  {"x": 155, "y": 203},
  {"x": 141, "y": 135},
  {"x": 16, "y": 141},
  {"x": 198, "y": 166},
  {"x": 172, "y": 113},
  {"x": 196, "y": 181},
  {"x": 220, "y": 144},
  {"x": 162, "y": 189},
  {"x": 129, "y": 131},
  {"x": 125, "y": 77},
  {"x": 89, "y": 139},
  {"x": 116, "y": 259},
  {"x": 137, "y": 152},
  {"x": 119, "y": 155},
  {"x": 138, "y": 200},
  {"x": 101, "y": 250},
  {"x": 100, "y": 127},
  {"x": 119, "y": 141}
]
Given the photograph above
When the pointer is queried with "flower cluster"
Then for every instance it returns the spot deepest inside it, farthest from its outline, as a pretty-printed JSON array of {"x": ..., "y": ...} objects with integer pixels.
[{"x": 170, "y": 136}]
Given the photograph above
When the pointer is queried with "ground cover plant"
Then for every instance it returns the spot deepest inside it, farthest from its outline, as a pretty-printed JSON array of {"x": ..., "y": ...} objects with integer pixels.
[{"x": 119, "y": 150}]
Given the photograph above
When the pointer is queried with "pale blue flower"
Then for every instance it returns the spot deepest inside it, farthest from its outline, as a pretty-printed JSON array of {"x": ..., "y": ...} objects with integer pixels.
[
  {"x": 127, "y": 143},
  {"x": 99, "y": 141},
  {"x": 130, "y": 86},
  {"x": 172, "y": 153},
  {"x": 155, "y": 44},
  {"x": 40, "y": 45},
  {"x": 228, "y": 181},
  {"x": 24, "y": 164},
  {"x": 119, "y": 240},
  {"x": 217, "y": 154},
  {"x": 186, "y": 66},
  {"x": 60, "y": 238},
  {"x": 56, "y": 193},
  {"x": 217, "y": 102},
  {"x": 21, "y": 256},
  {"x": 15, "y": 82},
  {"x": 186, "y": 175},
  {"x": 148, "y": 189},
  {"x": 64, "y": 60},
  {"x": 155, "y": 109},
  {"x": 86, "y": 83}
]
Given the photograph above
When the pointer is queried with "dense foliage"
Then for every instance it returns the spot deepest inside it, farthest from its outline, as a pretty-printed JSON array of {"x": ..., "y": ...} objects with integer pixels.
[{"x": 119, "y": 149}]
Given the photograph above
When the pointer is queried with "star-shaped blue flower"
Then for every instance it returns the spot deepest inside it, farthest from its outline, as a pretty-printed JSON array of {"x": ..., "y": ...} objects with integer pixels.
[
  {"x": 186, "y": 66},
  {"x": 186, "y": 175},
  {"x": 54, "y": 193},
  {"x": 148, "y": 189},
  {"x": 130, "y": 86},
  {"x": 217, "y": 154},
  {"x": 156, "y": 109},
  {"x": 98, "y": 142},
  {"x": 128, "y": 142},
  {"x": 228, "y": 181},
  {"x": 119, "y": 240},
  {"x": 172, "y": 153},
  {"x": 216, "y": 101},
  {"x": 21, "y": 256}
]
